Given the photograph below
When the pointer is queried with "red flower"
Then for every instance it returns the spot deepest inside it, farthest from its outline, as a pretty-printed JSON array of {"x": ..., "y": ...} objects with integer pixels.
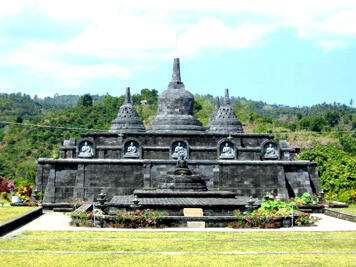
[
  {"x": 248, "y": 220},
  {"x": 275, "y": 218}
]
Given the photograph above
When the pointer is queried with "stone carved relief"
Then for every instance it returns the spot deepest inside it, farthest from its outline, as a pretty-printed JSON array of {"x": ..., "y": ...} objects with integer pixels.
[
  {"x": 227, "y": 151},
  {"x": 86, "y": 150},
  {"x": 179, "y": 150},
  {"x": 270, "y": 151},
  {"x": 131, "y": 150}
]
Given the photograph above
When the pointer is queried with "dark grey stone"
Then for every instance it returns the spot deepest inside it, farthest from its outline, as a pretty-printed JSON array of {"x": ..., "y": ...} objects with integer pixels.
[
  {"x": 175, "y": 107},
  {"x": 127, "y": 119},
  {"x": 224, "y": 119}
]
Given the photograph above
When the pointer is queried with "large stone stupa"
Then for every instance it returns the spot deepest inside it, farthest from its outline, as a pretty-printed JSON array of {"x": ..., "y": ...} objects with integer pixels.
[{"x": 175, "y": 107}]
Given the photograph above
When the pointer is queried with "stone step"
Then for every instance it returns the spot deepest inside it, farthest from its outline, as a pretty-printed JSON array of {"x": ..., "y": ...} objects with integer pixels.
[{"x": 62, "y": 209}]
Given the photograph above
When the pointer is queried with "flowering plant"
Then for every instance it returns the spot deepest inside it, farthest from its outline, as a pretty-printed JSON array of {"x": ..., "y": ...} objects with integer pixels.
[
  {"x": 305, "y": 199},
  {"x": 274, "y": 207},
  {"x": 139, "y": 218},
  {"x": 304, "y": 219},
  {"x": 24, "y": 192},
  {"x": 270, "y": 212},
  {"x": 5, "y": 185},
  {"x": 81, "y": 218}
]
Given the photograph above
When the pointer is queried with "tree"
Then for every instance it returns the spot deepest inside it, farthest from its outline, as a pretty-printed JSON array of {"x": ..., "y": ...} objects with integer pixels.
[
  {"x": 304, "y": 123},
  {"x": 85, "y": 101},
  {"x": 337, "y": 169},
  {"x": 19, "y": 119},
  {"x": 149, "y": 95},
  {"x": 317, "y": 123},
  {"x": 332, "y": 117}
]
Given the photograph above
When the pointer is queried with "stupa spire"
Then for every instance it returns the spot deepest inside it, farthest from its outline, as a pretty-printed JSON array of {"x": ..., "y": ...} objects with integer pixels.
[
  {"x": 176, "y": 82},
  {"x": 227, "y": 98},
  {"x": 128, "y": 99},
  {"x": 176, "y": 71},
  {"x": 217, "y": 103}
]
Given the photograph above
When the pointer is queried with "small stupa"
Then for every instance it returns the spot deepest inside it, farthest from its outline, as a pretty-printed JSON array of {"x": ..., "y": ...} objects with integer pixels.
[
  {"x": 224, "y": 120},
  {"x": 127, "y": 119}
]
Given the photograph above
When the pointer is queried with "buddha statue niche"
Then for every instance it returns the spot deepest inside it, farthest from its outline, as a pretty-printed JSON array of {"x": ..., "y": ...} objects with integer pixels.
[
  {"x": 86, "y": 151},
  {"x": 227, "y": 152},
  {"x": 271, "y": 152},
  {"x": 179, "y": 152},
  {"x": 131, "y": 151}
]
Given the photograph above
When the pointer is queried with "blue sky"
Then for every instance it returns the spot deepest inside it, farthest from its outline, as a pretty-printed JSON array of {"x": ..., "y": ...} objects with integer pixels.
[{"x": 284, "y": 52}]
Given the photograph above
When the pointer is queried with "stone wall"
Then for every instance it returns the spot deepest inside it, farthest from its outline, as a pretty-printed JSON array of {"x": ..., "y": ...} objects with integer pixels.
[{"x": 85, "y": 178}]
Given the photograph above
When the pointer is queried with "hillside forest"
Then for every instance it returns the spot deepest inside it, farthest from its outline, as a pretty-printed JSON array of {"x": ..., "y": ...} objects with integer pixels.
[{"x": 32, "y": 128}]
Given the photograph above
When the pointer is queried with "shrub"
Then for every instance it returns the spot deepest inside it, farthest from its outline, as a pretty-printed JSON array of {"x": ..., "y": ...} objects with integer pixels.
[
  {"x": 305, "y": 199},
  {"x": 337, "y": 169},
  {"x": 271, "y": 212},
  {"x": 5, "y": 185},
  {"x": 274, "y": 207},
  {"x": 24, "y": 192},
  {"x": 139, "y": 218},
  {"x": 81, "y": 218},
  {"x": 305, "y": 219}
]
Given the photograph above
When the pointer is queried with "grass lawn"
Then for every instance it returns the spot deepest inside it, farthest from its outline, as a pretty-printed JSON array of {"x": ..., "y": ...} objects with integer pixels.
[
  {"x": 351, "y": 209},
  {"x": 47, "y": 242},
  {"x": 33, "y": 259},
  {"x": 8, "y": 213},
  {"x": 186, "y": 235}
]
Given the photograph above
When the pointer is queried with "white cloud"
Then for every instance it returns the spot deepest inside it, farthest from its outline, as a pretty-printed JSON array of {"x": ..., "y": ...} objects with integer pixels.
[
  {"x": 39, "y": 59},
  {"x": 329, "y": 45},
  {"x": 10, "y": 8},
  {"x": 214, "y": 33},
  {"x": 343, "y": 22},
  {"x": 94, "y": 71},
  {"x": 140, "y": 30},
  {"x": 123, "y": 36}
]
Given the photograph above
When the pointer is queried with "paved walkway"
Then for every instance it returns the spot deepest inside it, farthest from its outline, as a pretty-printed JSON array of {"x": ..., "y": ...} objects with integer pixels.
[{"x": 56, "y": 221}]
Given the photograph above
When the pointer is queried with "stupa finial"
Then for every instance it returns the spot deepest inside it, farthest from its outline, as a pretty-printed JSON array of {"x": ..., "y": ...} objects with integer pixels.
[
  {"x": 128, "y": 99},
  {"x": 227, "y": 98},
  {"x": 176, "y": 71},
  {"x": 217, "y": 103}
]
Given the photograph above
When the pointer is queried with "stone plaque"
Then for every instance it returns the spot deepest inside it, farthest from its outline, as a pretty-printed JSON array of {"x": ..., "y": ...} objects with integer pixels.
[
  {"x": 193, "y": 212},
  {"x": 196, "y": 224}
]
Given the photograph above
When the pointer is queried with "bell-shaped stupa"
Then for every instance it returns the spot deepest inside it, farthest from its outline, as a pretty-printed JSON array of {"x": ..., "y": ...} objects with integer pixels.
[
  {"x": 213, "y": 115},
  {"x": 223, "y": 119},
  {"x": 127, "y": 119},
  {"x": 175, "y": 107}
]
